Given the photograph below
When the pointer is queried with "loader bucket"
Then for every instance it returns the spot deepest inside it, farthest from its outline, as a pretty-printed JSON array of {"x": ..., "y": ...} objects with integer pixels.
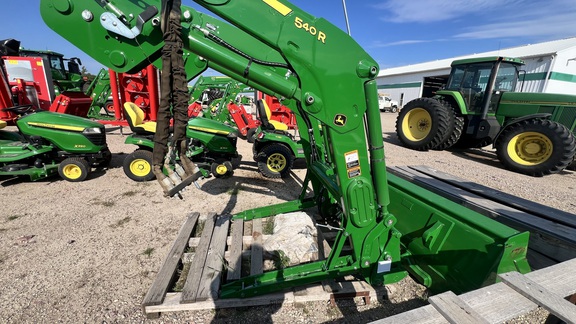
[{"x": 449, "y": 247}]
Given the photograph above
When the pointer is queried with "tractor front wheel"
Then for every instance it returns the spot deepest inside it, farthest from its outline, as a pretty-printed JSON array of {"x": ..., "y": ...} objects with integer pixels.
[
  {"x": 275, "y": 161},
  {"x": 424, "y": 123},
  {"x": 138, "y": 166},
  {"x": 222, "y": 169},
  {"x": 74, "y": 169},
  {"x": 536, "y": 147}
]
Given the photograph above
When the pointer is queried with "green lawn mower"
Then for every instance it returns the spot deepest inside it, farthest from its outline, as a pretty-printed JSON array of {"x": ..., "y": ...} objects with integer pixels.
[
  {"x": 211, "y": 146},
  {"x": 274, "y": 148},
  {"x": 47, "y": 143}
]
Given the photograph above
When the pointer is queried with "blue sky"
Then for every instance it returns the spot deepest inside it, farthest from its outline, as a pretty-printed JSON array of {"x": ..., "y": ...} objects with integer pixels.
[{"x": 394, "y": 32}]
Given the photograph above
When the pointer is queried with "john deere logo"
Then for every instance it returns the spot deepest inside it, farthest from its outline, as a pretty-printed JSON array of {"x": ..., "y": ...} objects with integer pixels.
[{"x": 340, "y": 120}]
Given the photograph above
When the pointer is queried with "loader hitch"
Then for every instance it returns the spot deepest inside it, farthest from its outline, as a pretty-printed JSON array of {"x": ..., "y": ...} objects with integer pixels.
[{"x": 180, "y": 173}]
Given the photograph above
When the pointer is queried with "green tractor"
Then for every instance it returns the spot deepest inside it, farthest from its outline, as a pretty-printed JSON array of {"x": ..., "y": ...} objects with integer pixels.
[
  {"x": 66, "y": 77},
  {"x": 47, "y": 143},
  {"x": 533, "y": 133},
  {"x": 100, "y": 91}
]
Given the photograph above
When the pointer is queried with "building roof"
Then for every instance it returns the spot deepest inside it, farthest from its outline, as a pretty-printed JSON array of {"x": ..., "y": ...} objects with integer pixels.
[{"x": 524, "y": 51}]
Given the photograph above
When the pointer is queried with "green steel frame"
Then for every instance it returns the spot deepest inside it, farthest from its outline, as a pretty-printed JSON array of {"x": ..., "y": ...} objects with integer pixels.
[{"x": 287, "y": 53}]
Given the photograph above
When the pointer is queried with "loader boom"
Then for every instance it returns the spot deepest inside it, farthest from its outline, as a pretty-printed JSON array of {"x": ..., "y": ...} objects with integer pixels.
[{"x": 275, "y": 47}]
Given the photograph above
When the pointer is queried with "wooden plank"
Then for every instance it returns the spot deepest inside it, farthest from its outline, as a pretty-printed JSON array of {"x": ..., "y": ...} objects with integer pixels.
[
  {"x": 172, "y": 302},
  {"x": 245, "y": 240},
  {"x": 499, "y": 303},
  {"x": 308, "y": 293},
  {"x": 256, "y": 263},
  {"x": 559, "y": 278},
  {"x": 515, "y": 202},
  {"x": 190, "y": 290},
  {"x": 167, "y": 272},
  {"x": 212, "y": 274},
  {"x": 422, "y": 315},
  {"x": 555, "y": 240},
  {"x": 553, "y": 303},
  {"x": 236, "y": 247},
  {"x": 454, "y": 309}
]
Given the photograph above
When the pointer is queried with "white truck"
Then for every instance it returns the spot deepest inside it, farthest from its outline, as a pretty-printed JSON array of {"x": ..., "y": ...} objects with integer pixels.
[{"x": 387, "y": 104}]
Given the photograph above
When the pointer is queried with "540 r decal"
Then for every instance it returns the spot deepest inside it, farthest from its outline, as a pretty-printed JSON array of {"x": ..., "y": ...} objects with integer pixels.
[{"x": 299, "y": 23}]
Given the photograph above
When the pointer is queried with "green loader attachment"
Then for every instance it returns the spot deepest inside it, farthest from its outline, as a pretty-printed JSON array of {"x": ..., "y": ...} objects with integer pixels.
[{"x": 385, "y": 227}]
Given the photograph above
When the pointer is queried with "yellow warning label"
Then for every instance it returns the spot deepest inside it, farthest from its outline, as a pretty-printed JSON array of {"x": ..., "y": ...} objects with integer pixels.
[{"x": 281, "y": 8}]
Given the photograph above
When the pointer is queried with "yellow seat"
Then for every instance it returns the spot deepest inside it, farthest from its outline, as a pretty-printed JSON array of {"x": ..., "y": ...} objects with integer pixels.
[
  {"x": 135, "y": 118},
  {"x": 265, "y": 115},
  {"x": 3, "y": 124}
]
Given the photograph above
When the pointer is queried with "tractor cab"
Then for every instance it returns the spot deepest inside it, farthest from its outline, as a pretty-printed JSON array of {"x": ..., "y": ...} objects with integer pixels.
[
  {"x": 481, "y": 82},
  {"x": 65, "y": 76}
]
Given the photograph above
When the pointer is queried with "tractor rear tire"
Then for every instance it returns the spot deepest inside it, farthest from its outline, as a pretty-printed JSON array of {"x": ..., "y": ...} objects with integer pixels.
[
  {"x": 424, "y": 123},
  {"x": 572, "y": 166},
  {"x": 536, "y": 147},
  {"x": 138, "y": 166},
  {"x": 74, "y": 169},
  {"x": 275, "y": 161},
  {"x": 455, "y": 132}
]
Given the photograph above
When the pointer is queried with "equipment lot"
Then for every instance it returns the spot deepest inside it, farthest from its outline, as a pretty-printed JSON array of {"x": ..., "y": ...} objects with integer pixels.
[{"x": 88, "y": 251}]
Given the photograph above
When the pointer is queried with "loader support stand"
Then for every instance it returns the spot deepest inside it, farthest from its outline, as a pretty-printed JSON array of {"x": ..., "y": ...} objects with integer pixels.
[{"x": 173, "y": 94}]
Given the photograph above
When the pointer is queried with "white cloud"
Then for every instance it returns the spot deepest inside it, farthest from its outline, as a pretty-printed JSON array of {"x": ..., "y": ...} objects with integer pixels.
[
  {"x": 380, "y": 44},
  {"x": 485, "y": 19},
  {"x": 554, "y": 19},
  {"x": 423, "y": 11}
]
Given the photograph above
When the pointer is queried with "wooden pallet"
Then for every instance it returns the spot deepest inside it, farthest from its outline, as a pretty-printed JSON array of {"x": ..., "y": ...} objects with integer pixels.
[
  {"x": 516, "y": 295},
  {"x": 222, "y": 245}
]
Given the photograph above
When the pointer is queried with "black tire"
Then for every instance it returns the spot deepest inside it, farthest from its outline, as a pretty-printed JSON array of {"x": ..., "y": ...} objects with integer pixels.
[
  {"x": 138, "y": 166},
  {"x": 275, "y": 160},
  {"x": 109, "y": 107},
  {"x": 424, "y": 123},
  {"x": 455, "y": 132},
  {"x": 394, "y": 109},
  {"x": 74, "y": 169},
  {"x": 251, "y": 135},
  {"x": 536, "y": 147},
  {"x": 572, "y": 166},
  {"x": 222, "y": 169}
]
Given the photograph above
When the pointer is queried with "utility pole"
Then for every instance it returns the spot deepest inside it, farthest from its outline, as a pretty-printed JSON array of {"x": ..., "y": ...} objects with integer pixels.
[{"x": 346, "y": 17}]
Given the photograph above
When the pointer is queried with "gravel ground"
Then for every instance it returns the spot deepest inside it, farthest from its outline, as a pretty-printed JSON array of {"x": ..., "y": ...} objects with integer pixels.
[{"x": 89, "y": 251}]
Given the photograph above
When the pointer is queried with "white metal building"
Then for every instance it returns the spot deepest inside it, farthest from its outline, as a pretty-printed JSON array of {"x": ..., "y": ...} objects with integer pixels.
[{"x": 550, "y": 67}]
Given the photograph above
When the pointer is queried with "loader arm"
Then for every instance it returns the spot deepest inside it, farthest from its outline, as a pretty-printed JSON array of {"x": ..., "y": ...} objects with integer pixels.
[{"x": 316, "y": 69}]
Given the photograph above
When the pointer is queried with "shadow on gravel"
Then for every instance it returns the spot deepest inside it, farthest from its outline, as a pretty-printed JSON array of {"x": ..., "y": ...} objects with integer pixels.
[
  {"x": 385, "y": 308},
  {"x": 391, "y": 138}
]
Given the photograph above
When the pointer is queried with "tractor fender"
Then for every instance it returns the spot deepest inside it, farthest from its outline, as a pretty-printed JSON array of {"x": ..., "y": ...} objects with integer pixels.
[
  {"x": 454, "y": 98},
  {"x": 519, "y": 119}
]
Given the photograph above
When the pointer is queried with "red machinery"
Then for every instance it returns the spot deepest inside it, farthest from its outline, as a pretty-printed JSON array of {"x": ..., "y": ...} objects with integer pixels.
[
  {"x": 279, "y": 112},
  {"x": 30, "y": 82},
  {"x": 140, "y": 88}
]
